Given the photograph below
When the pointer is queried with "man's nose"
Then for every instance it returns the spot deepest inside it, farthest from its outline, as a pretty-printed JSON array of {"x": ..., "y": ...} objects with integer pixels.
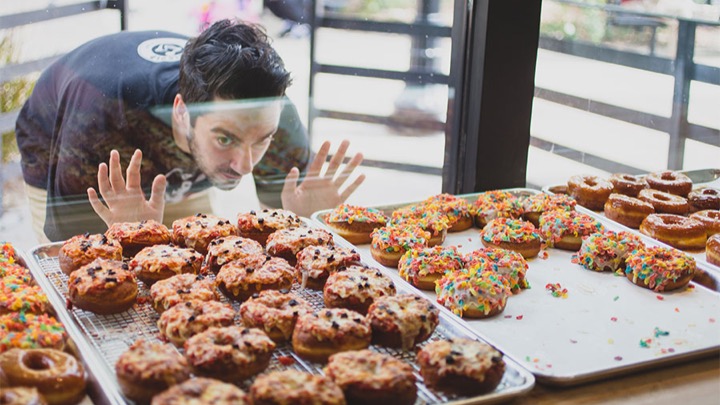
[{"x": 242, "y": 161}]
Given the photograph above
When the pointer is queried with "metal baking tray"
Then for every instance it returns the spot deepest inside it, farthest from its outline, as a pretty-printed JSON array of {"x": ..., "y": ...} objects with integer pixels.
[
  {"x": 95, "y": 394},
  {"x": 700, "y": 178},
  {"x": 594, "y": 333},
  {"x": 109, "y": 336}
]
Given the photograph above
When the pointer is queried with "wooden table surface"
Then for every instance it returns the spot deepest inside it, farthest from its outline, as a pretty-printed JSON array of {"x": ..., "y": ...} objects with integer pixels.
[{"x": 696, "y": 382}]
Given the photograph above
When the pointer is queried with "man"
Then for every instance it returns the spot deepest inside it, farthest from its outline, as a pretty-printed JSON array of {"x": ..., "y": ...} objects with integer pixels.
[{"x": 224, "y": 91}]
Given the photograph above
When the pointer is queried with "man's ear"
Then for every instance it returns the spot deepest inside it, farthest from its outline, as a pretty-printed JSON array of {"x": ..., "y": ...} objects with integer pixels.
[
  {"x": 180, "y": 122},
  {"x": 180, "y": 112}
]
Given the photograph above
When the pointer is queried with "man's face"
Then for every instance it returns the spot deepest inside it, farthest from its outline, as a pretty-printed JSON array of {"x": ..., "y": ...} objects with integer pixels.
[{"x": 227, "y": 144}]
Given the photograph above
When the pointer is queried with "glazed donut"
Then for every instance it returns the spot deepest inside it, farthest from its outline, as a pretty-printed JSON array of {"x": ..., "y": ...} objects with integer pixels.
[
  {"x": 704, "y": 199},
  {"x": 18, "y": 297},
  {"x": 455, "y": 208},
  {"x": 356, "y": 288},
  {"x": 665, "y": 203},
  {"x": 712, "y": 250},
  {"x": 202, "y": 391},
  {"x": 510, "y": 265},
  {"x": 58, "y": 376},
  {"x": 659, "y": 268},
  {"x": 239, "y": 280},
  {"x": 710, "y": 219},
  {"x": 318, "y": 336},
  {"x": 627, "y": 184},
  {"x": 259, "y": 225},
  {"x": 224, "y": 250},
  {"x": 494, "y": 204},
  {"x": 287, "y": 243},
  {"x": 590, "y": 191},
  {"x": 295, "y": 387},
  {"x": 83, "y": 249},
  {"x": 231, "y": 354},
  {"x": 354, "y": 223},
  {"x": 148, "y": 368},
  {"x": 159, "y": 262},
  {"x": 197, "y": 231},
  {"x": 422, "y": 267},
  {"x": 607, "y": 251},
  {"x": 512, "y": 234},
  {"x": 316, "y": 263},
  {"x": 21, "y": 396},
  {"x": 103, "y": 287},
  {"x": 30, "y": 331},
  {"x": 677, "y": 231},
  {"x": 670, "y": 182},
  {"x": 368, "y": 377},
  {"x": 403, "y": 320},
  {"x": 565, "y": 229},
  {"x": 390, "y": 242},
  {"x": 478, "y": 294},
  {"x": 629, "y": 211},
  {"x": 135, "y": 236},
  {"x": 533, "y": 206},
  {"x": 461, "y": 365},
  {"x": 275, "y": 312},
  {"x": 184, "y": 321},
  {"x": 178, "y": 289},
  {"x": 427, "y": 218}
]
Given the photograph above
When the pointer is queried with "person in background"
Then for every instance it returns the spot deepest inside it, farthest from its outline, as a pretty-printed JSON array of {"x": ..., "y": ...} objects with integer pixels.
[{"x": 187, "y": 113}]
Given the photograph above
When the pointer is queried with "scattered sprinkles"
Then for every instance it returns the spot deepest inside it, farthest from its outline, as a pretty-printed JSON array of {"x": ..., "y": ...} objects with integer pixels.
[
  {"x": 659, "y": 332},
  {"x": 519, "y": 317},
  {"x": 645, "y": 343},
  {"x": 556, "y": 290},
  {"x": 617, "y": 297},
  {"x": 614, "y": 319},
  {"x": 618, "y": 358},
  {"x": 660, "y": 297}
]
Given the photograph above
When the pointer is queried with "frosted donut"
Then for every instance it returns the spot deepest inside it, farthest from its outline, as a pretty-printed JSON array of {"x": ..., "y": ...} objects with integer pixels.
[
  {"x": 712, "y": 250},
  {"x": 512, "y": 234},
  {"x": 224, "y": 250},
  {"x": 354, "y": 223},
  {"x": 478, "y": 294},
  {"x": 704, "y": 199},
  {"x": 275, "y": 312},
  {"x": 103, "y": 287},
  {"x": 455, "y": 208},
  {"x": 135, "y": 236},
  {"x": 659, "y": 268},
  {"x": 494, "y": 204},
  {"x": 675, "y": 230},
  {"x": 83, "y": 249},
  {"x": 356, "y": 288},
  {"x": 422, "y": 267},
  {"x": 607, "y": 251},
  {"x": 710, "y": 219},
  {"x": 230, "y": 354},
  {"x": 510, "y": 265},
  {"x": 197, "y": 231},
  {"x": 202, "y": 391},
  {"x": 403, "y": 320},
  {"x": 178, "y": 289},
  {"x": 533, "y": 206},
  {"x": 670, "y": 182},
  {"x": 30, "y": 331},
  {"x": 258, "y": 225},
  {"x": 316, "y": 263},
  {"x": 665, "y": 203},
  {"x": 590, "y": 191},
  {"x": 389, "y": 243},
  {"x": 291, "y": 386},
  {"x": 627, "y": 184},
  {"x": 318, "y": 336},
  {"x": 58, "y": 376},
  {"x": 186, "y": 320},
  {"x": 239, "y": 280},
  {"x": 565, "y": 229},
  {"x": 426, "y": 217},
  {"x": 626, "y": 210}
]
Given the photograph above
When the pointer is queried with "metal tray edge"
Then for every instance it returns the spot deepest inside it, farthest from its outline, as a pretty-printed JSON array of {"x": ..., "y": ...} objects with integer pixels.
[{"x": 98, "y": 380}]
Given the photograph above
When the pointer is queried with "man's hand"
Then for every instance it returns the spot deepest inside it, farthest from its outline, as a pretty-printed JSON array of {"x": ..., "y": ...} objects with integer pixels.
[
  {"x": 125, "y": 202},
  {"x": 318, "y": 192}
]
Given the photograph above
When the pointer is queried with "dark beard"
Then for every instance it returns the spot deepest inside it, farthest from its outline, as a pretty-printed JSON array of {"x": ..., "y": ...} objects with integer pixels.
[{"x": 212, "y": 176}]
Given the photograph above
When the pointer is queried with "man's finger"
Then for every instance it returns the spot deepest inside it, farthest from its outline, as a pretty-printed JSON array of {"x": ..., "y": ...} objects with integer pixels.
[
  {"x": 290, "y": 183},
  {"x": 318, "y": 162},
  {"x": 133, "y": 171},
  {"x": 104, "y": 187},
  {"x": 337, "y": 159},
  {"x": 348, "y": 169},
  {"x": 97, "y": 205},
  {"x": 351, "y": 188},
  {"x": 157, "y": 193},
  {"x": 116, "y": 178}
]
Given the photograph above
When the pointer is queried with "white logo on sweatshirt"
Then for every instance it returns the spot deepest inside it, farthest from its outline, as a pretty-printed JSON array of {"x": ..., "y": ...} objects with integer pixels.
[{"x": 160, "y": 50}]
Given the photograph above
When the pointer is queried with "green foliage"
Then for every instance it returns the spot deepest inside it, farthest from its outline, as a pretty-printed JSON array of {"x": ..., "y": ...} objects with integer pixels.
[{"x": 13, "y": 94}]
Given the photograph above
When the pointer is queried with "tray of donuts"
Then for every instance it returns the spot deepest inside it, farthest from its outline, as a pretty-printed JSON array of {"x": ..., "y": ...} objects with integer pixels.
[
  {"x": 678, "y": 208},
  {"x": 269, "y": 310},
  {"x": 570, "y": 296},
  {"x": 40, "y": 360}
]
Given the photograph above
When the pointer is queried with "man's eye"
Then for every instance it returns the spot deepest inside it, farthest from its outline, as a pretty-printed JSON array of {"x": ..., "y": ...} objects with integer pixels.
[{"x": 224, "y": 140}]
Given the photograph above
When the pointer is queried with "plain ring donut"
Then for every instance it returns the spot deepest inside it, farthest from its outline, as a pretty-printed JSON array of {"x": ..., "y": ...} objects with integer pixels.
[
  {"x": 590, "y": 191},
  {"x": 58, "y": 376},
  {"x": 665, "y": 203},
  {"x": 627, "y": 184},
  {"x": 704, "y": 199},
  {"x": 670, "y": 182},
  {"x": 675, "y": 230}
]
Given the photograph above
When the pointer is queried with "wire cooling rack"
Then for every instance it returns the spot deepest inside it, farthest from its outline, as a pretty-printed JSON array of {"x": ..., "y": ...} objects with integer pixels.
[{"x": 112, "y": 335}]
